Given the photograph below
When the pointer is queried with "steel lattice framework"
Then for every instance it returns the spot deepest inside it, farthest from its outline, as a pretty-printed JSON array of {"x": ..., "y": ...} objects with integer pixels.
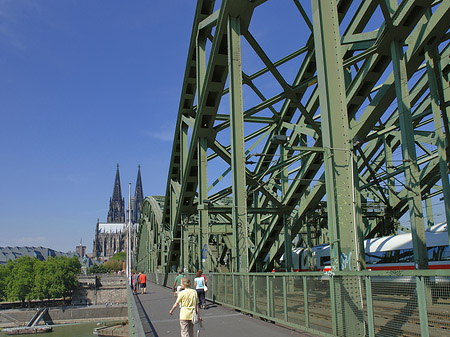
[{"x": 335, "y": 141}]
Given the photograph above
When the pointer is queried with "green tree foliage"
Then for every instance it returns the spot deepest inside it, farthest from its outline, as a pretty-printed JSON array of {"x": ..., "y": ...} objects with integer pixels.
[
  {"x": 20, "y": 279},
  {"x": 28, "y": 278},
  {"x": 121, "y": 256},
  {"x": 98, "y": 269},
  {"x": 3, "y": 282},
  {"x": 113, "y": 265}
]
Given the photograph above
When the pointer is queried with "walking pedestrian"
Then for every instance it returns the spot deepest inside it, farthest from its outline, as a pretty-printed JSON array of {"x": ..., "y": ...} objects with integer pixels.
[
  {"x": 188, "y": 300},
  {"x": 177, "y": 283},
  {"x": 199, "y": 283},
  {"x": 135, "y": 283},
  {"x": 143, "y": 281}
]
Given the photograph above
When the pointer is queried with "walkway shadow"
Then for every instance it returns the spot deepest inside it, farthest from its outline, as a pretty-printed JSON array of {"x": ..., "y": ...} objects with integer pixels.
[{"x": 394, "y": 326}]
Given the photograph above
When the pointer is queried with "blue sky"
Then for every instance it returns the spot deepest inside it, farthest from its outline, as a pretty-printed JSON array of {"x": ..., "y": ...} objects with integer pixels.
[{"x": 84, "y": 85}]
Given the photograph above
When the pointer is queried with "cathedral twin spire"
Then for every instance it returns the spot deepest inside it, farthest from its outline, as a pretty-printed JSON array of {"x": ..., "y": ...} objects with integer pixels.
[
  {"x": 138, "y": 198},
  {"x": 117, "y": 211}
]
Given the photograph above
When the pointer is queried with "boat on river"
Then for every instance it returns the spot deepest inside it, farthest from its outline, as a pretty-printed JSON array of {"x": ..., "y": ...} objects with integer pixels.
[
  {"x": 24, "y": 330},
  {"x": 32, "y": 327}
]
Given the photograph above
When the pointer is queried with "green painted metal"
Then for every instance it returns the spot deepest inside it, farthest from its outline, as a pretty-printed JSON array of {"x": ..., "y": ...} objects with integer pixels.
[
  {"x": 422, "y": 304},
  {"x": 435, "y": 84},
  {"x": 363, "y": 96},
  {"x": 135, "y": 326},
  {"x": 345, "y": 248},
  {"x": 370, "y": 323},
  {"x": 412, "y": 181},
  {"x": 202, "y": 235},
  {"x": 239, "y": 210}
]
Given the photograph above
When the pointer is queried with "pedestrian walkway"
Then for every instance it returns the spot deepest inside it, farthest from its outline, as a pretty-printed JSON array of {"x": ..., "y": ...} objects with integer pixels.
[{"x": 218, "y": 321}]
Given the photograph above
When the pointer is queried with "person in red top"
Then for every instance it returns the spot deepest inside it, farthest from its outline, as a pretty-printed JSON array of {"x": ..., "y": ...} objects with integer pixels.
[{"x": 143, "y": 282}]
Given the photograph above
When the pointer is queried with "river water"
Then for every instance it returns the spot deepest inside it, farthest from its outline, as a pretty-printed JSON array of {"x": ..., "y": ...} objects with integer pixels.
[{"x": 69, "y": 330}]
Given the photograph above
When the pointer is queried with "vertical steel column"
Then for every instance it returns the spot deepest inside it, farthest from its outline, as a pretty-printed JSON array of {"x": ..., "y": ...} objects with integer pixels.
[
  {"x": 184, "y": 242},
  {"x": 412, "y": 174},
  {"x": 239, "y": 211},
  {"x": 335, "y": 134},
  {"x": 202, "y": 206},
  {"x": 287, "y": 233},
  {"x": 393, "y": 199},
  {"x": 429, "y": 212},
  {"x": 184, "y": 129},
  {"x": 342, "y": 226},
  {"x": 308, "y": 247},
  {"x": 173, "y": 213},
  {"x": 256, "y": 218},
  {"x": 434, "y": 84}
]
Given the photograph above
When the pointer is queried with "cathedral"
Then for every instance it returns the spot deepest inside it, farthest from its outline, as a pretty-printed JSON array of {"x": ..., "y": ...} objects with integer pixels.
[{"x": 111, "y": 236}]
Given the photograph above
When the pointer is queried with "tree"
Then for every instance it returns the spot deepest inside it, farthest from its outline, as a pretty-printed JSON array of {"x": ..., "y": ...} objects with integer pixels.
[
  {"x": 20, "y": 280},
  {"x": 42, "y": 281},
  {"x": 97, "y": 269},
  {"x": 121, "y": 256},
  {"x": 113, "y": 265},
  {"x": 3, "y": 282},
  {"x": 62, "y": 273}
]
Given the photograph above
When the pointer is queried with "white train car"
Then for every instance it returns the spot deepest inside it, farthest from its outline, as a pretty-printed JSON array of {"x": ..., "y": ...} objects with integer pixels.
[{"x": 385, "y": 253}]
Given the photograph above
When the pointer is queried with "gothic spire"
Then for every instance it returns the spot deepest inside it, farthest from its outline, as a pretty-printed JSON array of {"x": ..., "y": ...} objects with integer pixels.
[
  {"x": 138, "y": 192},
  {"x": 117, "y": 193},
  {"x": 116, "y": 213},
  {"x": 138, "y": 196}
]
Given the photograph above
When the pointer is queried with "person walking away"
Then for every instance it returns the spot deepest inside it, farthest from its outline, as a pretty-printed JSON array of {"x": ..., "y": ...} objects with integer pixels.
[
  {"x": 143, "y": 281},
  {"x": 206, "y": 280},
  {"x": 135, "y": 283},
  {"x": 199, "y": 283},
  {"x": 188, "y": 300},
  {"x": 177, "y": 284}
]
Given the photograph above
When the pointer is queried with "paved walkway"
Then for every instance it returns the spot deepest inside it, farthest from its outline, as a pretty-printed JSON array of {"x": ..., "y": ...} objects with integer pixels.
[{"x": 218, "y": 321}]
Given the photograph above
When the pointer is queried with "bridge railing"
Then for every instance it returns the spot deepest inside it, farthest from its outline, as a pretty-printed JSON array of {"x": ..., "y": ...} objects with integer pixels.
[
  {"x": 136, "y": 328},
  {"x": 386, "y": 303}
]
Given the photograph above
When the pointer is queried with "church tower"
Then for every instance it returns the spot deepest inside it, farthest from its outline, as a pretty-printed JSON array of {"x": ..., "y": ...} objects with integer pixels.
[
  {"x": 138, "y": 199},
  {"x": 116, "y": 213}
]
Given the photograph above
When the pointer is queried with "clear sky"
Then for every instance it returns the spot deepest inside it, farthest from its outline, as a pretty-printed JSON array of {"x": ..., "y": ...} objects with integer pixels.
[{"x": 84, "y": 85}]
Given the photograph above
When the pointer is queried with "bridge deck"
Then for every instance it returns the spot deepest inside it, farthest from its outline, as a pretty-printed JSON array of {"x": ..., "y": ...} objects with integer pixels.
[{"x": 218, "y": 321}]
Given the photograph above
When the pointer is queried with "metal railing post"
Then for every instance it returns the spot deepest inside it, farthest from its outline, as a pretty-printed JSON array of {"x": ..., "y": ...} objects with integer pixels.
[
  {"x": 285, "y": 306},
  {"x": 305, "y": 300},
  {"x": 422, "y": 303},
  {"x": 370, "y": 323}
]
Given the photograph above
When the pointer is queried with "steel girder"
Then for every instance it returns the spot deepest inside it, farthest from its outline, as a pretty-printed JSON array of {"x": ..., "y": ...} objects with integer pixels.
[
  {"x": 263, "y": 192},
  {"x": 153, "y": 238}
]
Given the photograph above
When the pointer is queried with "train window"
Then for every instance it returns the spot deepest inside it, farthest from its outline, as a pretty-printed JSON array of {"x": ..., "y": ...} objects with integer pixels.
[
  {"x": 405, "y": 255},
  {"x": 324, "y": 260},
  {"x": 445, "y": 253},
  {"x": 433, "y": 253},
  {"x": 376, "y": 257}
]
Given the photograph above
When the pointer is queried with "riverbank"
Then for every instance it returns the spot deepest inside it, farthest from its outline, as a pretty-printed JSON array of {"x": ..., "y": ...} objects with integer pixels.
[{"x": 63, "y": 315}]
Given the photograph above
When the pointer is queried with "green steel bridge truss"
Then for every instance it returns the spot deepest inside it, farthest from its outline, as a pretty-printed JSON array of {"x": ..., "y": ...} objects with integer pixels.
[{"x": 344, "y": 137}]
